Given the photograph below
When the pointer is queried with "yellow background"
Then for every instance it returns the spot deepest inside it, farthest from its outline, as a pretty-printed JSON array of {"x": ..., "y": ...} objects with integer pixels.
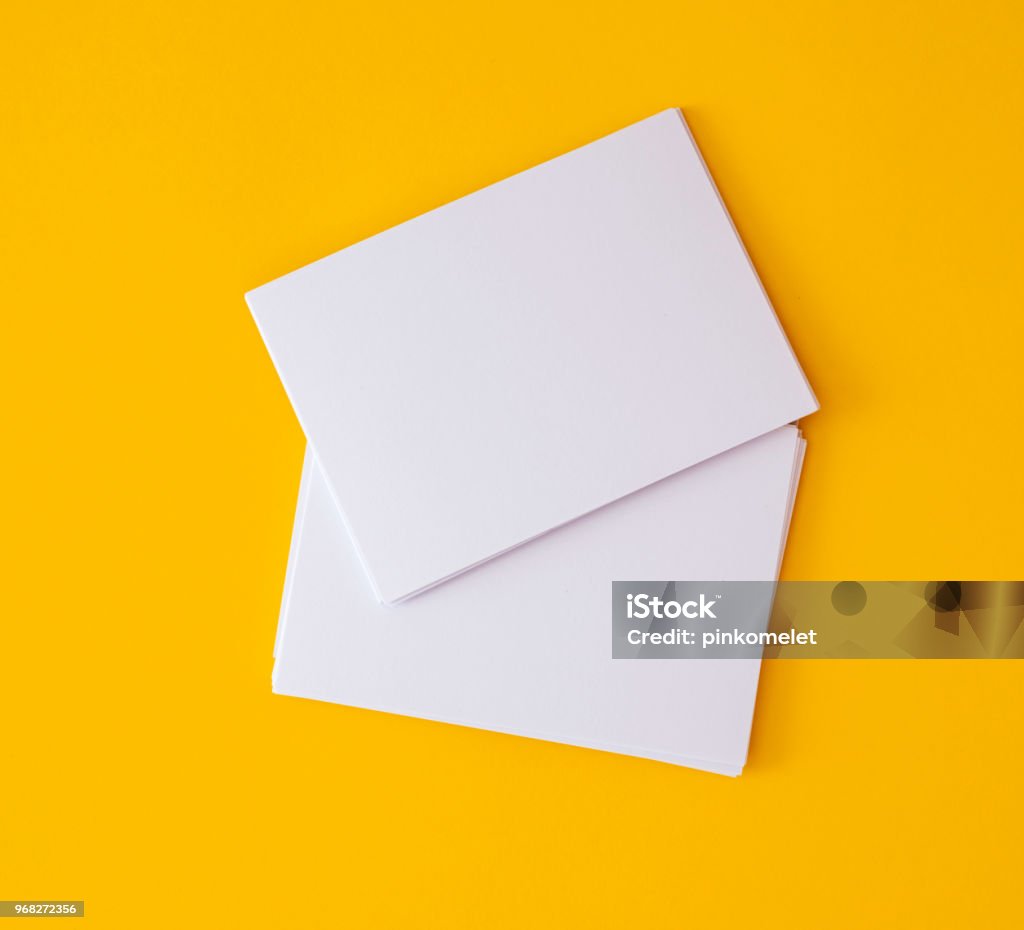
[{"x": 159, "y": 159}]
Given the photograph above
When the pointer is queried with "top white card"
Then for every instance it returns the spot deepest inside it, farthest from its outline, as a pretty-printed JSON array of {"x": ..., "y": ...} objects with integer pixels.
[{"x": 500, "y": 366}]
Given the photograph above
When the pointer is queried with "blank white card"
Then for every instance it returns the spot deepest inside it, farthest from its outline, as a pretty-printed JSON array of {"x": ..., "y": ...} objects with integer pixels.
[
  {"x": 522, "y": 644},
  {"x": 498, "y": 367}
]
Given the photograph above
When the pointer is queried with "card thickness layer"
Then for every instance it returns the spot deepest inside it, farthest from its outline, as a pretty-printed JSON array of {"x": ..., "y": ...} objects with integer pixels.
[
  {"x": 498, "y": 367},
  {"x": 522, "y": 644}
]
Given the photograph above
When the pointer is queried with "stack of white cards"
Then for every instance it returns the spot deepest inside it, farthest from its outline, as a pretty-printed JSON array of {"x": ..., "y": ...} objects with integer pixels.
[{"x": 570, "y": 377}]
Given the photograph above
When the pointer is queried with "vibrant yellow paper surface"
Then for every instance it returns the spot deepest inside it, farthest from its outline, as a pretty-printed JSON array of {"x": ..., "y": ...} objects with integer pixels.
[{"x": 161, "y": 159}]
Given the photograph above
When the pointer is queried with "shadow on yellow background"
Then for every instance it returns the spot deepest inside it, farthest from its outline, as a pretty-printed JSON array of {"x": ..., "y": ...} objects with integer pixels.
[{"x": 162, "y": 159}]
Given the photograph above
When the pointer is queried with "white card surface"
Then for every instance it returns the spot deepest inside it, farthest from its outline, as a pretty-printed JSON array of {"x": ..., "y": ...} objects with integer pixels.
[
  {"x": 522, "y": 644},
  {"x": 500, "y": 366}
]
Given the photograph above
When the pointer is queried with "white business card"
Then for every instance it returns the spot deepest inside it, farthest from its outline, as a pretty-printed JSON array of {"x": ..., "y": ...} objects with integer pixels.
[
  {"x": 522, "y": 644},
  {"x": 503, "y": 365}
]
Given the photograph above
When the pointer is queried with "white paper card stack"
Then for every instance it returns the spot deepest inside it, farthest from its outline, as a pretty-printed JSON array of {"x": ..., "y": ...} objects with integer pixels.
[{"x": 506, "y": 401}]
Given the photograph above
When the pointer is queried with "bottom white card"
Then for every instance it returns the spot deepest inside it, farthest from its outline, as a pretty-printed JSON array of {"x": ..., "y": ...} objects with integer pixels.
[{"x": 522, "y": 644}]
